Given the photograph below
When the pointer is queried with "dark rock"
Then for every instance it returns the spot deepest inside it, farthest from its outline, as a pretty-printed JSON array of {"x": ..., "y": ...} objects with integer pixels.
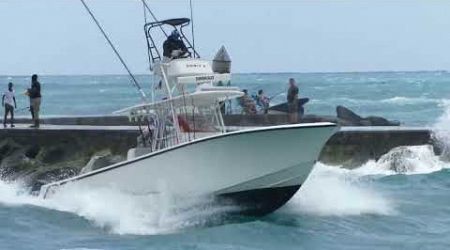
[
  {"x": 32, "y": 151},
  {"x": 15, "y": 165},
  {"x": 51, "y": 154},
  {"x": 346, "y": 114},
  {"x": 405, "y": 159},
  {"x": 48, "y": 176},
  {"x": 380, "y": 121},
  {"x": 57, "y": 174},
  {"x": 317, "y": 118},
  {"x": 346, "y": 117},
  {"x": 7, "y": 147},
  {"x": 50, "y": 160},
  {"x": 100, "y": 161},
  {"x": 36, "y": 157}
]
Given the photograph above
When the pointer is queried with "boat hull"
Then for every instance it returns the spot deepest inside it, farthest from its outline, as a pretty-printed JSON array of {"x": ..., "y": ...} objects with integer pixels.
[
  {"x": 258, "y": 169},
  {"x": 259, "y": 202}
]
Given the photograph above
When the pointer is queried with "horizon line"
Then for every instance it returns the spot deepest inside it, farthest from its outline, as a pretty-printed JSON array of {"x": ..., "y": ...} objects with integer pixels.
[{"x": 241, "y": 73}]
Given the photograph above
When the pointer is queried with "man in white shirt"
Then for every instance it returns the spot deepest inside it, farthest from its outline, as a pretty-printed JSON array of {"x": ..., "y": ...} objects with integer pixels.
[{"x": 9, "y": 102}]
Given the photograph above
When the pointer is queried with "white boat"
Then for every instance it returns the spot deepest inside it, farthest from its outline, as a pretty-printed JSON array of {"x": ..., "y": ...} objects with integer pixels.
[{"x": 186, "y": 150}]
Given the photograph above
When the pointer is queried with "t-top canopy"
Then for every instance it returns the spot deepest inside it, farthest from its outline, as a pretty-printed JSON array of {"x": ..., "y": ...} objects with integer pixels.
[
  {"x": 203, "y": 98},
  {"x": 172, "y": 22}
]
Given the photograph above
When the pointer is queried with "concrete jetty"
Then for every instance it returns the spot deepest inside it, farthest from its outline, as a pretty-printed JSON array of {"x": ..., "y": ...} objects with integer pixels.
[
  {"x": 352, "y": 146},
  {"x": 64, "y": 145},
  {"x": 117, "y": 138}
]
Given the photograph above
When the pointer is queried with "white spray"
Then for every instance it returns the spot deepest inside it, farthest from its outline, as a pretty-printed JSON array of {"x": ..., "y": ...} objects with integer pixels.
[
  {"x": 122, "y": 213},
  {"x": 333, "y": 191}
]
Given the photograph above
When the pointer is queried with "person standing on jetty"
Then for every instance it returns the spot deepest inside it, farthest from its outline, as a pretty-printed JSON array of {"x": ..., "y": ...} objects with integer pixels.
[
  {"x": 292, "y": 100},
  {"x": 9, "y": 102},
  {"x": 35, "y": 100}
]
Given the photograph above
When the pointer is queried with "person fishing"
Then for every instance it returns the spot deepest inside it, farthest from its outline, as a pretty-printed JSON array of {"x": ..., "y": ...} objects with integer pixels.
[
  {"x": 247, "y": 103},
  {"x": 35, "y": 100},
  {"x": 9, "y": 102},
  {"x": 263, "y": 101},
  {"x": 174, "y": 47},
  {"x": 292, "y": 101}
]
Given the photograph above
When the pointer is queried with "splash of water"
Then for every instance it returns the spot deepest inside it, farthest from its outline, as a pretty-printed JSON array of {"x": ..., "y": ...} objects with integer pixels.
[
  {"x": 406, "y": 160},
  {"x": 441, "y": 131},
  {"x": 122, "y": 213},
  {"x": 329, "y": 191},
  {"x": 333, "y": 191}
]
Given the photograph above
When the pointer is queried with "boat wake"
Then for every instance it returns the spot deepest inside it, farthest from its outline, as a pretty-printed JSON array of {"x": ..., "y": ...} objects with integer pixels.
[{"x": 121, "y": 213}]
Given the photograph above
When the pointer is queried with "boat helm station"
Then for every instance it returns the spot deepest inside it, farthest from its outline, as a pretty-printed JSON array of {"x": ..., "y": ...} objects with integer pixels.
[{"x": 187, "y": 90}]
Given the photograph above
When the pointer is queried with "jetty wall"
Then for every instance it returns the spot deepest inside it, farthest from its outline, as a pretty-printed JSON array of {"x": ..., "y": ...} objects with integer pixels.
[
  {"x": 118, "y": 139},
  {"x": 349, "y": 146},
  {"x": 59, "y": 151}
]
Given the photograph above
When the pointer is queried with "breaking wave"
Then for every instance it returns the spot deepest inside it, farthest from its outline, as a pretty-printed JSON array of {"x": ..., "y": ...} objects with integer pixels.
[
  {"x": 402, "y": 100},
  {"x": 397, "y": 100},
  {"x": 441, "y": 130}
]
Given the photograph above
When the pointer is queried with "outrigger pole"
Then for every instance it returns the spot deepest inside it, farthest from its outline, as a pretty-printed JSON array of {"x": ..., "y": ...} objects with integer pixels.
[
  {"x": 192, "y": 26},
  {"x": 135, "y": 82},
  {"x": 153, "y": 15}
]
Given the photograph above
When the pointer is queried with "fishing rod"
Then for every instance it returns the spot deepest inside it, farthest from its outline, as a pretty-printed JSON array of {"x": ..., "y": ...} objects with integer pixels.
[
  {"x": 144, "y": 2},
  {"x": 192, "y": 26},
  {"x": 21, "y": 109},
  {"x": 135, "y": 82},
  {"x": 273, "y": 96}
]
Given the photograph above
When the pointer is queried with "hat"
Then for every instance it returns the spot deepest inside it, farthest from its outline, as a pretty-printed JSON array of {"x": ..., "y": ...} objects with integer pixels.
[{"x": 175, "y": 33}]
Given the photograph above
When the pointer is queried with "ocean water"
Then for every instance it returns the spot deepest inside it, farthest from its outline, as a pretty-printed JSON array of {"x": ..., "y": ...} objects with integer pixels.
[
  {"x": 414, "y": 98},
  {"x": 370, "y": 207}
]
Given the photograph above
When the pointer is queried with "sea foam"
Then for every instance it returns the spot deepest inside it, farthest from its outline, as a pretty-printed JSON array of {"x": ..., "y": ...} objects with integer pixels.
[
  {"x": 333, "y": 191},
  {"x": 337, "y": 191},
  {"x": 122, "y": 213},
  {"x": 441, "y": 129}
]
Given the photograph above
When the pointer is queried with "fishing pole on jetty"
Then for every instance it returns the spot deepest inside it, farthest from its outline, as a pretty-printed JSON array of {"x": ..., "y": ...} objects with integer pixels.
[{"x": 135, "y": 82}]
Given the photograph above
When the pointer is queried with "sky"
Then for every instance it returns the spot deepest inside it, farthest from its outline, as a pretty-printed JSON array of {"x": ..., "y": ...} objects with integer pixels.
[{"x": 58, "y": 37}]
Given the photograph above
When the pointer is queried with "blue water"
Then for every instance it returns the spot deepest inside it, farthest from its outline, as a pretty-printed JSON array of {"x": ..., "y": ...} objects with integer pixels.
[
  {"x": 414, "y": 98},
  {"x": 366, "y": 208}
]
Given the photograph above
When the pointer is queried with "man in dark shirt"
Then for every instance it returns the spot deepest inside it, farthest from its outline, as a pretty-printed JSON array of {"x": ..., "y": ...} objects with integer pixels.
[
  {"x": 174, "y": 47},
  {"x": 292, "y": 100},
  {"x": 35, "y": 100}
]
